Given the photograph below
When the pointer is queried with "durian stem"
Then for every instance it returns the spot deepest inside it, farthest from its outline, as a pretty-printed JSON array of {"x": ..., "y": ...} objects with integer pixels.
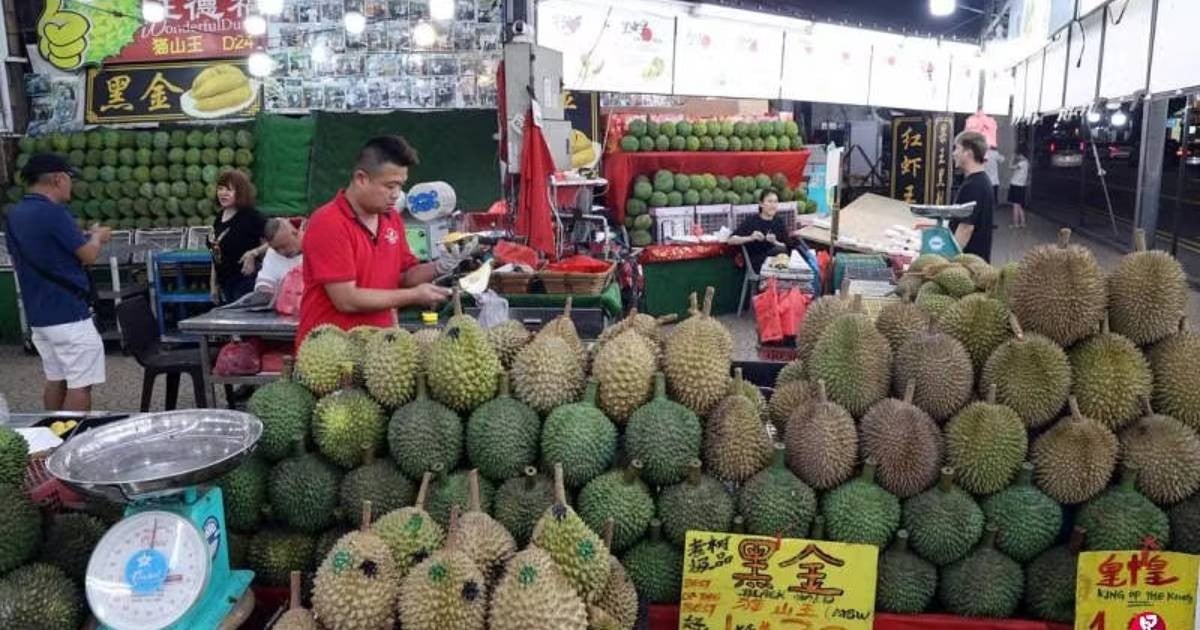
[
  {"x": 693, "y": 475},
  {"x": 560, "y": 490},
  {"x": 989, "y": 536},
  {"x": 589, "y": 395},
  {"x": 991, "y": 394},
  {"x": 1129, "y": 475},
  {"x": 910, "y": 391},
  {"x": 473, "y": 491},
  {"x": 779, "y": 456},
  {"x": 347, "y": 375},
  {"x": 457, "y": 298},
  {"x": 737, "y": 375},
  {"x": 1064, "y": 237},
  {"x": 1077, "y": 540},
  {"x": 946, "y": 482},
  {"x": 296, "y": 603},
  {"x": 368, "y": 452},
  {"x": 289, "y": 366},
  {"x": 421, "y": 395},
  {"x": 669, "y": 318},
  {"x": 1147, "y": 408},
  {"x": 1139, "y": 240},
  {"x": 822, "y": 395},
  {"x": 364, "y": 522},
  {"x": 660, "y": 386},
  {"x": 1183, "y": 324},
  {"x": 655, "y": 533},
  {"x": 531, "y": 475},
  {"x": 1104, "y": 325},
  {"x": 818, "y": 528},
  {"x": 452, "y": 529},
  {"x": 868, "y": 470},
  {"x": 693, "y": 304},
  {"x": 844, "y": 289},
  {"x": 504, "y": 391},
  {"x": 709, "y": 293},
  {"x": 1025, "y": 474},
  {"x": 1015, "y": 325},
  {"x": 857, "y": 305},
  {"x": 607, "y": 532},
  {"x": 901, "y": 543},
  {"x": 1074, "y": 405},
  {"x": 423, "y": 491},
  {"x": 633, "y": 471},
  {"x": 739, "y": 524},
  {"x": 567, "y": 308}
]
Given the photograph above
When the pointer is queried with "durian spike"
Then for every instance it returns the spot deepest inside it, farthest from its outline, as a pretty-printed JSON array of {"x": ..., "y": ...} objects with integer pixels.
[
  {"x": 991, "y": 394},
  {"x": 1015, "y": 325},
  {"x": 989, "y": 536},
  {"x": 1077, "y": 540},
  {"x": 1064, "y": 237},
  {"x": 473, "y": 504},
  {"x": 1147, "y": 408},
  {"x": 868, "y": 470},
  {"x": 817, "y": 532},
  {"x": 456, "y": 297},
  {"x": 364, "y": 522},
  {"x": 709, "y": 294},
  {"x": 423, "y": 491},
  {"x": 296, "y": 603},
  {"x": 1025, "y": 474},
  {"x": 347, "y": 374},
  {"x": 606, "y": 532},
  {"x": 822, "y": 395},
  {"x": 1139, "y": 240},
  {"x": 1074, "y": 405},
  {"x": 693, "y": 474},
  {"x": 289, "y": 365},
  {"x": 655, "y": 532},
  {"x": 910, "y": 391},
  {"x": 633, "y": 471},
  {"x": 946, "y": 481},
  {"x": 531, "y": 475},
  {"x": 560, "y": 490},
  {"x": 739, "y": 524},
  {"x": 503, "y": 391},
  {"x": 901, "y": 543}
]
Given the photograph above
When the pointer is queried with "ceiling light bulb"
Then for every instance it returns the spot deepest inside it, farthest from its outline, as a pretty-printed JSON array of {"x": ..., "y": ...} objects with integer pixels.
[
  {"x": 270, "y": 7},
  {"x": 320, "y": 52},
  {"x": 423, "y": 35},
  {"x": 153, "y": 11},
  {"x": 1119, "y": 119},
  {"x": 259, "y": 63},
  {"x": 1093, "y": 117},
  {"x": 355, "y": 22},
  {"x": 255, "y": 25},
  {"x": 942, "y": 8},
  {"x": 441, "y": 10}
]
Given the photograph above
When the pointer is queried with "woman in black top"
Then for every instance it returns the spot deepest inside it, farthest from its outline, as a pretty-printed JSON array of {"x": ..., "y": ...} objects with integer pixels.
[
  {"x": 764, "y": 233},
  {"x": 237, "y": 235}
]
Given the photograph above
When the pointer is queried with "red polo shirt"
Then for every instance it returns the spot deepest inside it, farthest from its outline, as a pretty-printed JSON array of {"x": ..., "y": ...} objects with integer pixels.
[{"x": 339, "y": 248}]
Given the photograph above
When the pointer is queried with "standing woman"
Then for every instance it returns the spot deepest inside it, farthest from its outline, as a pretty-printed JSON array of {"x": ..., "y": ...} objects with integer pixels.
[
  {"x": 1017, "y": 188},
  {"x": 237, "y": 235}
]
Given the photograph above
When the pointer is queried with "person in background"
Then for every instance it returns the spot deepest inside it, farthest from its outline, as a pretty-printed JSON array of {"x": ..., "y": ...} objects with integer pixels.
[
  {"x": 49, "y": 253},
  {"x": 1016, "y": 188},
  {"x": 991, "y": 166},
  {"x": 282, "y": 254},
  {"x": 974, "y": 233},
  {"x": 237, "y": 233},
  {"x": 764, "y": 233}
]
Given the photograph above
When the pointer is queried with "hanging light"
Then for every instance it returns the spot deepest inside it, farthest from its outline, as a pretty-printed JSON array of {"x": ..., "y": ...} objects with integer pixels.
[
  {"x": 270, "y": 7},
  {"x": 355, "y": 22},
  {"x": 154, "y": 11},
  {"x": 320, "y": 52},
  {"x": 423, "y": 35},
  {"x": 441, "y": 10},
  {"x": 260, "y": 64},
  {"x": 1119, "y": 118},
  {"x": 255, "y": 25},
  {"x": 1093, "y": 116},
  {"x": 942, "y": 8}
]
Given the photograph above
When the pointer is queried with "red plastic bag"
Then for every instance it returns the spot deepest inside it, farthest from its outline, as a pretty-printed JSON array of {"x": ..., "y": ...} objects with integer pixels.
[
  {"x": 239, "y": 358},
  {"x": 793, "y": 306},
  {"x": 766, "y": 313},
  {"x": 290, "y": 291},
  {"x": 507, "y": 252}
]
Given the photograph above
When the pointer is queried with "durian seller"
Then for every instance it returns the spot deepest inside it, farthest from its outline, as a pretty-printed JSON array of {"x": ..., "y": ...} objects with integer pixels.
[
  {"x": 764, "y": 233},
  {"x": 358, "y": 268}
]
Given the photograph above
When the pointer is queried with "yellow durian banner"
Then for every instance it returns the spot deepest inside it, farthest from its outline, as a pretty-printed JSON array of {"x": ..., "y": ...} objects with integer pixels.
[
  {"x": 762, "y": 582},
  {"x": 1136, "y": 590}
]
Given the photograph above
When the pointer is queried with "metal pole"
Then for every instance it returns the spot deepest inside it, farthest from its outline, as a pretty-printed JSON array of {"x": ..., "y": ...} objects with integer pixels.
[{"x": 1185, "y": 139}]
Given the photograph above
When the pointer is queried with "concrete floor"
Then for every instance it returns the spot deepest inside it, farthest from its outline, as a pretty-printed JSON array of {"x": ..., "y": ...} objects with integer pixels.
[{"x": 21, "y": 376}]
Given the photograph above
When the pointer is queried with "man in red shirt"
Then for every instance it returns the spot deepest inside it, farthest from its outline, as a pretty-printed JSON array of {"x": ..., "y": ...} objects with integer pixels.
[{"x": 358, "y": 268}]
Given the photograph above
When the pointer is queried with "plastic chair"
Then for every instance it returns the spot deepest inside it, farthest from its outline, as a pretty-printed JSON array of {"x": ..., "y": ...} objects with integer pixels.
[
  {"x": 139, "y": 335},
  {"x": 752, "y": 277}
]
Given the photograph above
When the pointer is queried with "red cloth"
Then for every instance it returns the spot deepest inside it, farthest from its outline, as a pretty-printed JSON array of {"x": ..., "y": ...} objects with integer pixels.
[
  {"x": 666, "y": 617},
  {"x": 621, "y": 168},
  {"x": 533, "y": 206},
  {"x": 676, "y": 253},
  {"x": 339, "y": 248}
]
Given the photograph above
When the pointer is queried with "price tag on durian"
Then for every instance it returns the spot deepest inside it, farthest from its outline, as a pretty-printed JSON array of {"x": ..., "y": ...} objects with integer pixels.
[
  {"x": 733, "y": 581},
  {"x": 1136, "y": 590}
]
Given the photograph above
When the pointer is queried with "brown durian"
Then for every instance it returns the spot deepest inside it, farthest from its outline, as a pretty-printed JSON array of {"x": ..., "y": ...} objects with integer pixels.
[
  {"x": 822, "y": 445},
  {"x": 1059, "y": 291},
  {"x": 697, "y": 358},
  {"x": 1075, "y": 459},
  {"x": 1166, "y": 453},
  {"x": 736, "y": 445},
  {"x": 905, "y": 443},
  {"x": 939, "y": 368}
]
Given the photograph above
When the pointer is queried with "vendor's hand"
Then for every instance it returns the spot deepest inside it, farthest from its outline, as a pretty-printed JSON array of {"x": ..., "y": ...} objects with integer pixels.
[
  {"x": 249, "y": 263},
  {"x": 454, "y": 253},
  {"x": 430, "y": 294},
  {"x": 756, "y": 235},
  {"x": 101, "y": 233},
  {"x": 771, "y": 239}
]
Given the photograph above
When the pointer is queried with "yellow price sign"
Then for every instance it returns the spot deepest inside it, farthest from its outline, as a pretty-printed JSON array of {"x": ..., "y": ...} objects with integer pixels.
[
  {"x": 746, "y": 582},
  {"x": 1136, "y": 590}
]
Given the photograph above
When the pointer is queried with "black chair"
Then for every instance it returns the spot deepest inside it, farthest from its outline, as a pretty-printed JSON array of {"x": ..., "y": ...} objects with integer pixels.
[{"x": 139, "y": 335}]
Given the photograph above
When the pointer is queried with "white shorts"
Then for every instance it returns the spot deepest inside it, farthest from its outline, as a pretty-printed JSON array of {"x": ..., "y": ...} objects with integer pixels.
[{"x": 71, "y": 352}]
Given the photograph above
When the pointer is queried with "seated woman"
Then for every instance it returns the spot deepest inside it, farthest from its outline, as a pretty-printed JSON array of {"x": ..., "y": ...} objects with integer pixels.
[{"x": 764, "y": 234}]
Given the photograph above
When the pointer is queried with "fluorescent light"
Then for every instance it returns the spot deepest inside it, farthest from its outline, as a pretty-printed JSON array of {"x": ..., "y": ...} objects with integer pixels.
[
  {"x": 1093, "y": 116},
  {"x": 1119, "y": 118},
  {"x": 259, "y": 63},
  {"x": 423, "y": 35},
  {"x": 441, "y": 10},
  {"x": 153, "y": 11},
  {"x": 942, "y": 8},
  {"x": 270, "y": 7},
  {"x": 255, "y": 25},
  {"x": 355, "y": 22},
  {"x": 320, "y": 52}
]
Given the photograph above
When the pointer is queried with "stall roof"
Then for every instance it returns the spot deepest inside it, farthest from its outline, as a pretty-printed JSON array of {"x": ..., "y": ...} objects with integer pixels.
[{"x": 908, "y": 16}]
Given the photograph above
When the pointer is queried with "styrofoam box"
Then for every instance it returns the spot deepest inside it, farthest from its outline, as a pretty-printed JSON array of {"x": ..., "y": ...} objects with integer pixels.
[
  {"x": 713, "y": 218},
  {"x": 673, "y": 222}
]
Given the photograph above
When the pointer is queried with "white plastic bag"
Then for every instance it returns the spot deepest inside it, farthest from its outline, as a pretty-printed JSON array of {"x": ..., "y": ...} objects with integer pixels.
[{"x": 493, "y": 309}]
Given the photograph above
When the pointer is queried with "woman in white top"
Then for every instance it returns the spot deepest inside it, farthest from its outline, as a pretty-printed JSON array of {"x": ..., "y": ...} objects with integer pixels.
[{"x": 1016, "y": 189}]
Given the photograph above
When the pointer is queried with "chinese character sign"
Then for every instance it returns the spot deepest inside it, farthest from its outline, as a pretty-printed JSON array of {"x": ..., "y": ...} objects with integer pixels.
[
  {"x": 1136, "y": 590},
  {"x": 733, "y": 581},
  {"x": 170, "y": 91},
  {"x": 941, "y": 161},
  {"x": 912, "y": 160}
]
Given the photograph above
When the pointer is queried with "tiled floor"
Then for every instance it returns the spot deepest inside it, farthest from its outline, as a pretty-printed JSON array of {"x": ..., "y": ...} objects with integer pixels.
[{"x": 21, "y": 377}]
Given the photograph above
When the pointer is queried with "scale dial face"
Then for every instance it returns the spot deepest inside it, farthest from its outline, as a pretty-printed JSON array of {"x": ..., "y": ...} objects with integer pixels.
[{"x": 148, "y": 571}]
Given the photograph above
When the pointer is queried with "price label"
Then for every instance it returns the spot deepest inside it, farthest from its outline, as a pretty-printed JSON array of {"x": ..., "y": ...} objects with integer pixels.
[
  {"x": 1136, "y": 590},
  {"x": 734, "y": 581}
]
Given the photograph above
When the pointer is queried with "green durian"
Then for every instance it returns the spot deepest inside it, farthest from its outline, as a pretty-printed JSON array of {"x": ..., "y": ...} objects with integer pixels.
[
  {"x": 1031, "y": 374},
  {"x": 462, "y": 368},
  {"x": 664, "y": 435},
  {"x": 580, "y": 438},
  {"x": 1109, "y": 377},
  {"x": 503, "y": 435},
  {"x": 577, "y": 550},
  {"x": 905, "y": 583},
  {"x": 425, "y": 433},
  {"x": 986, "y": 583},
  {"x": 1050, "y": 581},
  {"x": 986, "y": 444},
  {"x": 285, "y": 408},
  {"x": 347, "y": 423},
  {"x": 390, "y": 367},
  {"x": 944, "y": 522},
  {"x": 697, "y": 503},
  {"x": 1029, "y": 521},
  {"x": 1121, "y": 518},
  {"x": 321, "y": 357},
  {"x": 775, "y": 502},
  {"x": 655, "y": 566},
  {"x": 410, "y": 533},
  {"x": 859, "y": 511},
  {"x": 521, "y": 501}
]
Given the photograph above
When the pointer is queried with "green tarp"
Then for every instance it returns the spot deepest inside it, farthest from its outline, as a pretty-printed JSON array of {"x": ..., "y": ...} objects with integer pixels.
[
  {"x": 282, "y": 148},
  {"x": 457, "y": 147}
]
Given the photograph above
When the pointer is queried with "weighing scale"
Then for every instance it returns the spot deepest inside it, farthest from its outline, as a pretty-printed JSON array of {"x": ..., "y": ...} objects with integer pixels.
[
  {"x": 939, "y": 239},
  {"x": 166, "y": 564}
]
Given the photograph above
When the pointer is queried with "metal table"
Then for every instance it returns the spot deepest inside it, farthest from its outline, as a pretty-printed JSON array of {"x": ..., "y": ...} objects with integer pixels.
[{"x": 219, "y": 323}]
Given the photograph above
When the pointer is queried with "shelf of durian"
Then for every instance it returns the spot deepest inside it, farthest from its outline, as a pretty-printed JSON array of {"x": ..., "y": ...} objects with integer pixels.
[{"x": 522, "y": 480}]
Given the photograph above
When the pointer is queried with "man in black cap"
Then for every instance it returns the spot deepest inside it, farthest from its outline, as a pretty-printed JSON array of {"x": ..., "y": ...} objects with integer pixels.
[{"x": 49, "y": 252}]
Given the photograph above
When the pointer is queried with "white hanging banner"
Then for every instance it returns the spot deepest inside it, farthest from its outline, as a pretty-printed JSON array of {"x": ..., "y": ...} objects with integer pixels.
[
  {"x": 998, "y": 88},
  {"x": 1087, "y": 6},
  {"x": 1127, "y": 47},
  {"x": 966, "y": 68},
  {"x": 725, "y": 58},
  {"x": 1019, "y": 85},
  {"x": 909, "y": 73},
  {"x": 1083, "y": 61},
  {"x": 1176, "y": 46},
  {"x": 1033, "y": 83},
  {"x": 1054, "y": 75},
  {"x": 607, "y": 48},
  {"x": 826, "y": 64}
]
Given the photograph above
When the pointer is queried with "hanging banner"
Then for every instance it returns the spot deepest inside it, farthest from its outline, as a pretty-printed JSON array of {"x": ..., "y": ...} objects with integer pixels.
[
  {"x": 910, "y": 159},
  {"x": 1136, "y": 590},
  {"x": 941, "y": 160},
  {"x": 726, "y": 58},
  {"x": 199, "y": 90},
  {"x": 76, "y": 33},
  {"x": 741, "y": 581},
  {"x": 609, "y": 48}
]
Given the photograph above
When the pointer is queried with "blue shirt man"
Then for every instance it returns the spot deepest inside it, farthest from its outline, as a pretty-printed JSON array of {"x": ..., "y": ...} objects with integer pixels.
[{"x": 49, "y": 253}]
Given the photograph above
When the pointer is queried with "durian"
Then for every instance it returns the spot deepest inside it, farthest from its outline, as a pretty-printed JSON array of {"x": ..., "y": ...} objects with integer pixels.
[
  {"x": 546, "y": 375},
  {"x": 274, "y": 553},
  {"x": 347, "y": 422},
  {"x": 1059, "y": 291},
  {"x": 424, "y": 433},
  {"x": 521, "y": 501},
  {"x": 580, "y": 438},
  {"x": 986, "y": 583},
  {"x": 321, "y": 357},
  {"x": 664, "y": 435},
  {"x": 303, "y": 491},
  {"x": 1031, "y": 374},
  {"x": 1176, "y": 379},
  {"x": 410, "y": 533},
  {"x": 1166, "y": 454},
  {"x": 1121, "y": 518},
  {"x": 788, "y": 399},
  {"x": 70, "y": 538},
  {"x": 1185, "y": 525},
  {"x": 980, "y": 323},
  {"x": 503, "y": 435},
  {"x": 446, "y": 590},
  {"x": 1074, "y": 460},
  {"x": 285, "y": 408},
  {"x": 462, "y": 367},
  {"x": 944, "y": 522},
  {"x": 736, "y": 445},
  {"x": 905, "y": 443},
  {"x": 624, "y": 373},
  {"x": 534, "y": 594},
  {"x": 391, "y": 367},
  {"x": 507, "y": 339},
  {"x": 986, "y": 444},
  {"x": 905, "y": 582},
  {"x": 955, "y": 280},
  {"x": 1109, "y": 377},
  {"x": 822, "y": 445},
  {"x": 820, "y": 314},
  {"x": 616, "y": 605},
  {"x": 244, "y": 493},
  {"x": 900, "y": 322},
  {"x": 1050, "y": 581},
  {"x": 699, "y": 502},
  {"x": 14, "y": 455},
  {"x": 791, "y": 371},
  {"x": 377, "y": 481},
  {"x": 655, "y": 566},
  {"x": 622, "y": 497},
  {"x": 1147, "y": 294},
  {"x": 859, "y": 511},
  {"x": 40, "y": 597},
  {"x": 855, "y": 361},
  {"x": 940, "y": 370},
  {"x": 563, "y": 327},
  {"x": 297, "y": 616},
  {"x": 449, "y": 491},
  {"x": 775, "y": 502},
  {"x": 356, "y": 586},
  {"x": 482, "y": 538},
  {"x": 1028, "y": 519},
  {"x": 697, "y": 358},
  {"x": 575, "y": 548}
]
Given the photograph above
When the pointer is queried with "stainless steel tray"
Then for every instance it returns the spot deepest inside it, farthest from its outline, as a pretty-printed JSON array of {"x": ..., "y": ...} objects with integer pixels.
[{"x": 155, "y": 454}]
